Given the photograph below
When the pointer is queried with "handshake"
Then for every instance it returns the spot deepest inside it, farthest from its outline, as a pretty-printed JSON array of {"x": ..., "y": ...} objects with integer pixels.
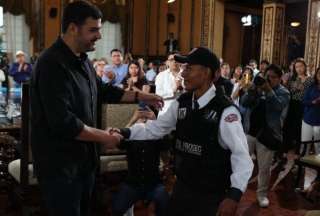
[{"x": 112, "y": 138}]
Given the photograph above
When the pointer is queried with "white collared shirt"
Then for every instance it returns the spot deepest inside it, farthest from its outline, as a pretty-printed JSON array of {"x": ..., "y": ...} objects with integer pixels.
[
  {"x": 165, "y": 84},
  {"x": 231, "y": 136}
]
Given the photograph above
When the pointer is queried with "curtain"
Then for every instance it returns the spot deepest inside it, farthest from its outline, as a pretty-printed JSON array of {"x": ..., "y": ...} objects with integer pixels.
[
  {"x": 16, "y": 34},
  {"x": 111, "y": 38},
  {"x": 28, "y": 8}
]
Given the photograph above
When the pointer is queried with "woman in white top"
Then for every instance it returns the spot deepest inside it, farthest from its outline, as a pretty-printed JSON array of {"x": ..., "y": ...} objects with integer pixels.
[{"x": 242, "y": 85}]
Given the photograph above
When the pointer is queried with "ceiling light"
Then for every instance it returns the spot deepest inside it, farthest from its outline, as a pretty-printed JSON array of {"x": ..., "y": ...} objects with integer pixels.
[
  {"x": 171, "y": 1},
  {"x": 295, "y": 24}
]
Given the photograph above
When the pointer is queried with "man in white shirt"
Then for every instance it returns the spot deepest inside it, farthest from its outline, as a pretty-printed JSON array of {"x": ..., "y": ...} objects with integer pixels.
[
  {"x": 168, "y": 83},
  {"x": 212, "y": 161},
  {"x": 253, "y": 64},
  {"x": 225, "y": 70}
]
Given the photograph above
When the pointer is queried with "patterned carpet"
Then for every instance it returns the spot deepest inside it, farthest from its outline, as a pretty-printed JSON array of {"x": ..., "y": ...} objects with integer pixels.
[{"x": 283, "y": 202}]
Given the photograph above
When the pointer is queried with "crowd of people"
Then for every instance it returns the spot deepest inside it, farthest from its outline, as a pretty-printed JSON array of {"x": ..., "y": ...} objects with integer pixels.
[{"x": 279, "y": 108}]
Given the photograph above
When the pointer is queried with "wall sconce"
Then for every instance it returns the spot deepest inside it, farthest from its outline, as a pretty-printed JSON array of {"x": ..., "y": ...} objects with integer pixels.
[
  {"x": 318, "y": 15},
  {"x": 246, "y": 20},
  {"x": 295, "y": 24}
]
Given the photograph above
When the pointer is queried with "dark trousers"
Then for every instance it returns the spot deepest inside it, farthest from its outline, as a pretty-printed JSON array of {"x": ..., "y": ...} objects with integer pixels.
[
  {"x": 188, "y": 201},
  {"x": 68, "y": 196},
  {"x": 127, "y": 195}
]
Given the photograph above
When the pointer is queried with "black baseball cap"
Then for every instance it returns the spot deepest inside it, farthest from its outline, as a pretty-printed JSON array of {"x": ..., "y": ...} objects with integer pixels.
[{"x": 200, "y": 56}]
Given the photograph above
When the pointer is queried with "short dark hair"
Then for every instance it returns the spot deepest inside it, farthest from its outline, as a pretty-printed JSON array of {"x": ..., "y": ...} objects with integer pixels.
[
  {"x": 252, "y": 61},
  {"x": 77, "y": 12},
  {"x": 276, "y": 69},
  {"x": 115, "y": 50},
  {"x": 265, "y": 62},
  {"x": 225, "y": 64},
  {"x": 249, "y": 69}
]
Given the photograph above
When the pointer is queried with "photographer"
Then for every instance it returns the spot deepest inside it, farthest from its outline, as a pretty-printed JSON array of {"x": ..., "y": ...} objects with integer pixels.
[{"x": 268, "y": 101}]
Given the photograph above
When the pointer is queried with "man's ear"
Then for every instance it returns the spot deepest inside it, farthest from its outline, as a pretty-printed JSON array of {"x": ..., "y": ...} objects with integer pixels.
[{"x": 73, "y": 29}]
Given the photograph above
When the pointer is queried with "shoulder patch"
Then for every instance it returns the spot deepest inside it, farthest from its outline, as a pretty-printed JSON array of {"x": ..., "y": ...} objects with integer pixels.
[{"x": 231, "y": 118}]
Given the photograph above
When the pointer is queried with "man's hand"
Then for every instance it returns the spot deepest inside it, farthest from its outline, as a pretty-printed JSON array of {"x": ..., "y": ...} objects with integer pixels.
[
  {"x": 228, "y": 207},
  {"x": 112, "y": 130},
  {"x": 25, "y": 67},
  {"x": 112, "y": 140},
  {"x": 316, "y": 101},
  {"x": 151, "y": 99},
  {"x": 266, "y": 87},
  {"x": 20, "y": 67},
  {"x": 111, "y": 76}
]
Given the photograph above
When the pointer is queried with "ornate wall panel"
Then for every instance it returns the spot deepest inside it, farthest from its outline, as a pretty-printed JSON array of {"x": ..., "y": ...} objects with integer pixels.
[
  {"x": 273, "y": 32},
  {"x": 312, "y": 50},
  {"x": 212, "y": 25}
]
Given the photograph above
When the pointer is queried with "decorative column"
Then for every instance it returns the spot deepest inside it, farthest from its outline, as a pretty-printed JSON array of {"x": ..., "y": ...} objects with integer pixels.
[
  {"x": 212, "y": 25},
  {"x": 272, "y": 39},
  {"x": 312, "y": 50}
]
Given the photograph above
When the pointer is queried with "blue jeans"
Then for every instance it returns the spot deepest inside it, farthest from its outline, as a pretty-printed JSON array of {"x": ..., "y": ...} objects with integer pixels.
[
  {"x": 68, "y": 196},
  {"x": 127, "y": 195}
]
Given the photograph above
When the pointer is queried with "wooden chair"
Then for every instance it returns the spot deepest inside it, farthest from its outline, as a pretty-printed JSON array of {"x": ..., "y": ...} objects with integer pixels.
[
  {"x": 115, "y": 115},
  {"x": 306, "y": 160},
  {"x": 24, "y": 191}
]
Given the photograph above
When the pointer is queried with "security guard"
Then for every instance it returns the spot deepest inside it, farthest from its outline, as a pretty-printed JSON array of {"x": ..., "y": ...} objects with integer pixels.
[{"x": 212, "y": 162}]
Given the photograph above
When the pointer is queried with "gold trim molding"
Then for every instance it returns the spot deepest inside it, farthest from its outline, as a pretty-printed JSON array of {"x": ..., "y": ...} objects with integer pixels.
[
  {"x": 273, "y": 24},
  {"x": 312, "y": 50}
]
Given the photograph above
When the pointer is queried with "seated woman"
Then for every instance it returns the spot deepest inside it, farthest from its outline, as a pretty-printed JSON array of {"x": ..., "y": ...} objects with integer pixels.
[
  {"x": 143, "y": 181},
  {"x": 135, "y": 79}
]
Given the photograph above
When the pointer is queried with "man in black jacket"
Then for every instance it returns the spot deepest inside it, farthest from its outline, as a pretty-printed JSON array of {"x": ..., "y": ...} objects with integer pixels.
[{"x": 64, "y": 102}]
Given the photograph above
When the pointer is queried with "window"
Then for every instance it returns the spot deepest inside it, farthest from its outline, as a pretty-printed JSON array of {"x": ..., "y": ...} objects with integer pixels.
[
  {"x": 111, "y": 38},
  {"x": 1, "y": 30}
]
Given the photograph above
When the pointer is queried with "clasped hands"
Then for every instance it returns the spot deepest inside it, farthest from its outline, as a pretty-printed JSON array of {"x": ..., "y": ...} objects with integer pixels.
[{"x": 112, "y": 138}]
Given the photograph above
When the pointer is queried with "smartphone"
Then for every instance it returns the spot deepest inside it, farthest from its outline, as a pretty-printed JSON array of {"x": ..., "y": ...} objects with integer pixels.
[
  {"x": 143, "y": 106},
  {"x": 246, "y": 78}
]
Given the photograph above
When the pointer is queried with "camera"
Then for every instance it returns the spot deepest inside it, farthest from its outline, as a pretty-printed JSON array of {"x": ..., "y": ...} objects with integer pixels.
[{"x": 259, "y": 81}]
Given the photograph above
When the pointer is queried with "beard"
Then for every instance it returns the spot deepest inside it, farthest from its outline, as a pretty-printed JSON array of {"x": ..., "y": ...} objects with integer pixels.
[
  {"x": 89, "y": 47},
  {"x": 86, "y": 45}
]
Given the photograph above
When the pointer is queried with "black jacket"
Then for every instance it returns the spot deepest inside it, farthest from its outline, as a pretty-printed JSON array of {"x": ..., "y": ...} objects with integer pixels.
[{"x": 64, "y": 98}]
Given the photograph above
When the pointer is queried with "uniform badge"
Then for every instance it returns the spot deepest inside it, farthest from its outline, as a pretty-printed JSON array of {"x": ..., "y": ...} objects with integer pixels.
[
  {"x": 182, "y": 112},
  {"x": 231, "y": 118}
]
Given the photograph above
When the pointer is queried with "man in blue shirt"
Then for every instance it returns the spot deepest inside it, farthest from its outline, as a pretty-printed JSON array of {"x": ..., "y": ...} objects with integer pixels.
[
  {"x": 116, "y": 72},
  {"x": 20, "y": 70},
  {"x": 151, "y": 73}
]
